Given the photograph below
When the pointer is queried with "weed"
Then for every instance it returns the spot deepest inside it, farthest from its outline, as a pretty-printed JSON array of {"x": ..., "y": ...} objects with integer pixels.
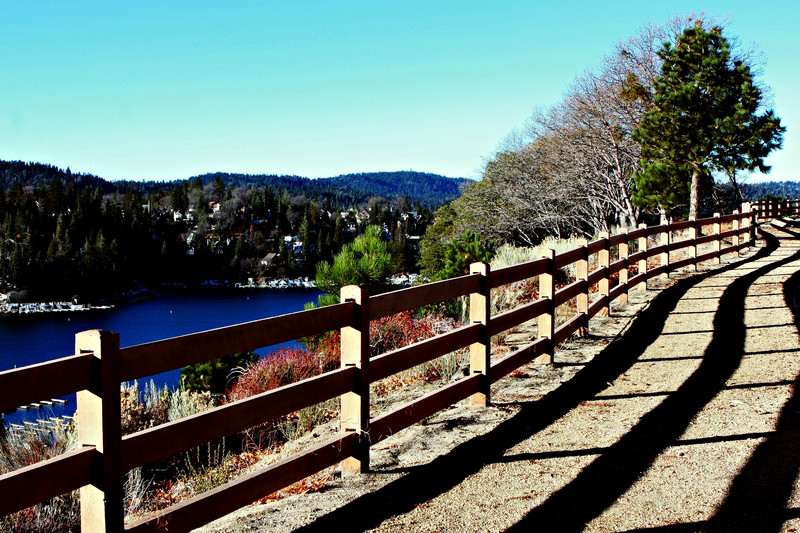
[
  {"x": 206, "y": 468},
  {"x": 301, "y": 422},
  {"x": 183, "y": 403},
  {"x": 135, "y": 488},
  {"x": 450, "y": 367},
  {"x": 26, "y": 447},
  {"x": 142, "y": 410}
]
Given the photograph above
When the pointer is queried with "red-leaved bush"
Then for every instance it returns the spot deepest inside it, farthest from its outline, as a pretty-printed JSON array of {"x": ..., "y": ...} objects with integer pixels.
[
  {"x": 288, "y": 365},
  {"x": 281, "y": 367},
  {"x": 392, "y": 332}
]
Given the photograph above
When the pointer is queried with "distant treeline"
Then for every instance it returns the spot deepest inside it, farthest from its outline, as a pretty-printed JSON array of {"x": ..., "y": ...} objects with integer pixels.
[
  {"x": 65, "y": 234},
  {"x": 343, "y": 192},
  {"x": 778, "y": 189}
]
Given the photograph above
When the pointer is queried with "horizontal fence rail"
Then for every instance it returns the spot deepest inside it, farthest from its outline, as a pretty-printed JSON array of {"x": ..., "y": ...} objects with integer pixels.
[
  {"x": 619, "y": 263},
  {"x": 164, "y": 355},
  {"x": 173, "y": 437},
  {"x": 776, "y": 208}
]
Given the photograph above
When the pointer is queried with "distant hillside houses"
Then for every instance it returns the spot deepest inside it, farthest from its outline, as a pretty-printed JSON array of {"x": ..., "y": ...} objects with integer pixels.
[
  {"x": 66, "y": 234},
  {"x": 351, "y": 219}
]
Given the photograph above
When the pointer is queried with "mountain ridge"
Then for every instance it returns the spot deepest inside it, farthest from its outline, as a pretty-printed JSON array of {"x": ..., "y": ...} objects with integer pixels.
[{"x": 426, "y": 188}]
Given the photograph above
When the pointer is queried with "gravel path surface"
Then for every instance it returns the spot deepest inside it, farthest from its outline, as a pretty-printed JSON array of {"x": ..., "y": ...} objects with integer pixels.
[{"x": 677, "y": 414}]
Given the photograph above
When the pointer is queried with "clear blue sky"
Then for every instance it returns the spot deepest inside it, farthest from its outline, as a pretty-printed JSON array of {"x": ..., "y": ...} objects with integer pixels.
[{"x": 165, "y": 90}]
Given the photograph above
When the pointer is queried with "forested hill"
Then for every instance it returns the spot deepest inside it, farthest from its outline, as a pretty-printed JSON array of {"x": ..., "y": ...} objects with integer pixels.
[
  {"x": 779, "y": 189},
  {"x": 430, "y": 190},
  {"x": 31, "y": 174}
]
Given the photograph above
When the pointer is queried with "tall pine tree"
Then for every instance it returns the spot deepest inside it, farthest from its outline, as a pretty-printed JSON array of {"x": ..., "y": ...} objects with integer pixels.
[{"x": 704, "y": 120}]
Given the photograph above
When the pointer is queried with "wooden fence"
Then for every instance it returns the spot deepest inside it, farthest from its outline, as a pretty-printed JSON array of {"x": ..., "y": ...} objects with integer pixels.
[
  {"x": 776, "y": 208},
  {"x": 99, "y": 366}
]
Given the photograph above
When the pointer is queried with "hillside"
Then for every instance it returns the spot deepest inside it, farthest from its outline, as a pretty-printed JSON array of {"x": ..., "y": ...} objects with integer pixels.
[
  {"x": 430, "y": 190},
  {"x": 31, "y": 174},
  {"x": 785, "y": 189},
  {"x": 348, "y": 190}
]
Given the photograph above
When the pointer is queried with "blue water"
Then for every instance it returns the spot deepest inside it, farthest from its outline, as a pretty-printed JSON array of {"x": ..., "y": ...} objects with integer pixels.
[{"x": 30, "y": 339}]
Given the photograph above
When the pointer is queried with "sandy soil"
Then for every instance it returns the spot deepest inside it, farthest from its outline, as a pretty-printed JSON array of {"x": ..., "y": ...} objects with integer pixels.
[{"x": 677, "y": 413}]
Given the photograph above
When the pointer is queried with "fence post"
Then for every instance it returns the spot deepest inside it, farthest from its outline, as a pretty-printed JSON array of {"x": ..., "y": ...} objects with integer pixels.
[
  {"x": 547, "y": 319},
  {"x": 582, "y": 274},
  {"x": 747, "y": 216},
  {"x": 664, "y": 240},
  {"x": 603, "y": 261},
  {"x": 643, "y": 260},
  {"x": 735, "y": 226},
  {"x": 480, "y": 352},
  {"x": 354, "y": 409},
  {"x": 99, "y": 425},
  {"x": 624, "y": 251},
  {"x": 717, "y": 241},
  {"x": 692, "y": 250}
]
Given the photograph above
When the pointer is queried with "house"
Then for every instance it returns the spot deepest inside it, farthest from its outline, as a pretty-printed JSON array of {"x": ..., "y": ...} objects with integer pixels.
[
  {"x": 362, "y": 216},
  {"x": 177, "y": 216},
  {"x": 270, "y": 259}
]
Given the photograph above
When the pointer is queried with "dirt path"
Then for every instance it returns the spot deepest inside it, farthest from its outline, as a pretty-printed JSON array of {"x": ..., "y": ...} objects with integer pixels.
[{"x": 686, "y": 422}]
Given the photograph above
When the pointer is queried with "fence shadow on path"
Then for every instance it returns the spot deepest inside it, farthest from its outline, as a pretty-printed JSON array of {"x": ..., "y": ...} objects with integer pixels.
[
  {"x": 602, "y": 482},
  {"x": 757, "y": 499},
  {"x": 610, "y": 475},
  {"x": 756, "y": 502}
]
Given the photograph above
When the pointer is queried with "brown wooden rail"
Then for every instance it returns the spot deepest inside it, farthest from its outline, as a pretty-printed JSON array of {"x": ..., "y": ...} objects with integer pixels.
[
  {"x": 99, "y": 366},
  {"x": 775, "y": 208}
]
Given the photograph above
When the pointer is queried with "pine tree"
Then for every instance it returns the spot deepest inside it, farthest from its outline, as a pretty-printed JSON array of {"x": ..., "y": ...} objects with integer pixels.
[
  {"x": 306, "y": 237},
  {"x": 461, "y": 253},
  {"x": 704, "y": 120},
  {"x": 284, "y": 226},
  {"x": 241, "y": 249},
  {"x": 17, "y": 266},
  {"x": 365, "y": 262},
  {"x": 179, "y": 199},
  {"x": 338, "y": 234}
]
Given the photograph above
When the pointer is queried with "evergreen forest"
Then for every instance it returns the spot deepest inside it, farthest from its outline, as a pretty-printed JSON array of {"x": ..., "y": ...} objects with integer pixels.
[{"x": 66, "y": 235}]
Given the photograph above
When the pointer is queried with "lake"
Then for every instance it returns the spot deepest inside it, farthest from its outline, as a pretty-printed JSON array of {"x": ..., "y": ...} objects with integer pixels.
[{"x": 34, "y": 338}]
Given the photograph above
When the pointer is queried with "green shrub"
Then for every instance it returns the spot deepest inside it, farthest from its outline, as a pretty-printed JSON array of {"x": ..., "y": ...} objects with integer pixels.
[{"x": 215, "y": 376}]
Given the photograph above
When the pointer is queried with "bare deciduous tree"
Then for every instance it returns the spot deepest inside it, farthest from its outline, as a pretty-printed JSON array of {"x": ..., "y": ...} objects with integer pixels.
[
  {"x": 589, "y": 132},
  {"x": 572, "y": 168},
  {"x": 519, "y": 200}
]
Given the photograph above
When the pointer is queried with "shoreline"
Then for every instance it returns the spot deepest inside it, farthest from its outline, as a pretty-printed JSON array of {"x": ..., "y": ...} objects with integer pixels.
[
  {"x": 146, "y": 294},
  {"x": 33, "y": 308}
]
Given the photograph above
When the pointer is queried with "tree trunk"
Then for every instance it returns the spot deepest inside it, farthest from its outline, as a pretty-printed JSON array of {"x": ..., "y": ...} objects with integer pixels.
[{"x": 694, "y": 194}]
